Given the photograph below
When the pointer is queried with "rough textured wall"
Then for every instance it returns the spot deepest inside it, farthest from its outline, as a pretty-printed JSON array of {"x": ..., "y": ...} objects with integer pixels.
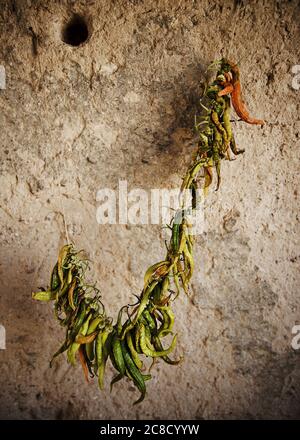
[{"x": 76, "y": 119}]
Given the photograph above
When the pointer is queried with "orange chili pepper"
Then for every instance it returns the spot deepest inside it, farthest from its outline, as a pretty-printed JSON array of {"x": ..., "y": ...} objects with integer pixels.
[
  {"x": 236, "y": 97},
  {"x": 228, "y": 88},
  {"x": 83, "y": 364}
]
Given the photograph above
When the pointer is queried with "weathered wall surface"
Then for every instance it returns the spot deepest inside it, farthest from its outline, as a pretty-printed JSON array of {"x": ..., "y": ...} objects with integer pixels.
[{"x": 76, "y": 119}]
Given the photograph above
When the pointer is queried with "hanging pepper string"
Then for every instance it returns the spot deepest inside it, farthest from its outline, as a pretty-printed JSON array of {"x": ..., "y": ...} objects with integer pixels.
[{"x": 77, "y": 304}]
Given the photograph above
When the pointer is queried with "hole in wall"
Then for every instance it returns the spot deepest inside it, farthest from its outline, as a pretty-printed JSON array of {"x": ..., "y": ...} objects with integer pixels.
[{"x": 76, "y": 31}]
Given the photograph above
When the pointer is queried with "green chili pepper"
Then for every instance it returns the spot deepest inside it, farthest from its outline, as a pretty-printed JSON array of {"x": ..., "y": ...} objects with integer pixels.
[
  {"x": 150, "y": 320},
  {"x": 102, "y": 352},
  {"x": 115, "y": 379},
  {"x": 44, "y": 295},
  {"x": 226, "y": 120},
  {"x": 168, "y": 321},
  {"x": 156, "y": 271},
  {"x": 157, "y": 292},
  {"x": 175, "y": 237},
  {"x": 143, "y": 304},
  {"x": 94, "y": 324},
  {"x": 71, "y": 295},
  {"x": 60, "y": 262},
  {"x": 176, "y": 280},
  {"x": 90, "y": 350},
  {"x": 234, "y": 148},
  {"x": 221, "y": 129},
  {"x": 119, "y": 321},
  {"x": 189, "y": 261},
  {"x": 63, "y": 348},
  {"x": 79, "y": 321},
  {"x": 134, "y": 353},
  {"x": 144, "y": 343},
  {"x": 158, "y": 346},
  {"x": 118, "y": 356},
  {"x": 134, "y": 373},
  {"x": 137, "y": 339},
  {"x": 55, "y": 282},
  {"x": 74, "y": 347}
]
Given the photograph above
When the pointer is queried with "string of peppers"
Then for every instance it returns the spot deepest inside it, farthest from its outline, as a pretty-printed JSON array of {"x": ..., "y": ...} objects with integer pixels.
[{"x": 77, "y": 305}]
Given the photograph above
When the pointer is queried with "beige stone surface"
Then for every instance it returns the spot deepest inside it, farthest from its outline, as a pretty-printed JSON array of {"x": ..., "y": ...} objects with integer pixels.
[{"x": 121, "y": 106}]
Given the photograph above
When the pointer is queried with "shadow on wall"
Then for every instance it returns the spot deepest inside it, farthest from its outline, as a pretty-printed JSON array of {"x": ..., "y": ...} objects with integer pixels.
[
  {"x": 172, "y": 135},
  {"x": 279, "y": 387},
  {"x": 182, "y": 96},
  {"x": 271, "y": 380},
  {"x": 25, "y": 376}
]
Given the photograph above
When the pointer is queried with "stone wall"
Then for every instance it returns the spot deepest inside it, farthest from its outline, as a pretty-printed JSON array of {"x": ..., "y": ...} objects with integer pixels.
[{"x": 77, "y": 118}]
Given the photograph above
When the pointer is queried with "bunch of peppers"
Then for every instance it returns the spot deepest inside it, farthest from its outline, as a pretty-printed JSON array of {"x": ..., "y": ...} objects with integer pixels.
[{"x": 77, "y": 305}]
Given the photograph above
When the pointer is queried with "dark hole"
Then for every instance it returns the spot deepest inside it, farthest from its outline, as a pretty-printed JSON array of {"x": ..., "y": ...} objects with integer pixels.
[{"x": 75, "y": 32}]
